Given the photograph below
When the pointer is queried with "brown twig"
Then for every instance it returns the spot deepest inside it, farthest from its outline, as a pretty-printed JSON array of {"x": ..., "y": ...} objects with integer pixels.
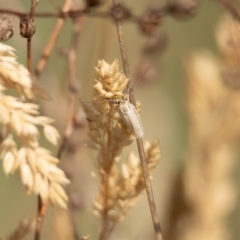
[
  {"x": 27, "y": 30},
  {"x": 141, "y": 151},
  {"x": 77, "y": 13},
  {"x": 73, "y": 89},
  {"x": 29, "y": 54},
  {"x": 29, "y": 39},
  {"x": 72, "y": 61},
  {"x": 40, "y": 215},
  {"x": 51, "y": 42}
]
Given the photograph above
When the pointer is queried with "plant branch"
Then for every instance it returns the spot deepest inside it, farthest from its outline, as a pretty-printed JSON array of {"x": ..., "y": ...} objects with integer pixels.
[
  {"x": 27, "y": 30},
  {"x": 73, "y": 89},
  {"x": 52, "y": 40},
  {"x": 141, "y": 151},
  {"x": 40, "y": 215}
]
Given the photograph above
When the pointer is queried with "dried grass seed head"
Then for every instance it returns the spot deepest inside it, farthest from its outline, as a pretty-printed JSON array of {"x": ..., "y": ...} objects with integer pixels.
[
  {"x": 125, "y": 184},
  {"x": 14, "y": 75},
  {"x": 6, "y": 28},
  {"x": 110, "y": 82},
  {"x": 38, "y": 169}
]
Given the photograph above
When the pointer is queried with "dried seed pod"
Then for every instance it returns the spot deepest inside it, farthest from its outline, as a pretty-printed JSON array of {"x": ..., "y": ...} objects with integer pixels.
[
  {"x": 182, "y": 9},
  {"x": 6, "y": 25},
  {"x": 120, "y": 12},
  {"x": 94, "y": 3},
  {"x": 27, "y": 27},
  {"x": 150, "y": 20},
  {"x": 155, "y": 44}
]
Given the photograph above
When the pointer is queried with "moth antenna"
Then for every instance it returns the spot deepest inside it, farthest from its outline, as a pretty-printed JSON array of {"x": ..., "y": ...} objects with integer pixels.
[{"x": 133, "y": 86}]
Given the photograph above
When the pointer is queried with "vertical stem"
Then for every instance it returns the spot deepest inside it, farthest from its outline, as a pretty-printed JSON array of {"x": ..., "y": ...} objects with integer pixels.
[
  {"x": 29, "y": 40},
  {"x": 51, "y": 42},
  {"x": 41, "y": 210},
  {"x": 141, "y": 151},
  {"x": 151, "y": 201},
  {"x": 40, "y": 215},
  {"x": 29, "y": 55}
]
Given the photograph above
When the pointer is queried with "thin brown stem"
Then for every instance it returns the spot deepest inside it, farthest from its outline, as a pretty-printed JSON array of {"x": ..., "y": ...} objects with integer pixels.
[
  {"x": 29, "y": 55},
  {"x": 33, "y": 7},
  {"x": 30, "y": 23},
  {"x": 52, "y": 40},
  {"x": 29, "y": 39},
  {"x": 72, "y": 85},
  {"x": 151, "y": 201},
  {"x": 40, "y": 215},
  {"x": 141, "y": 151},
  {"x": 72, "y": 65}
]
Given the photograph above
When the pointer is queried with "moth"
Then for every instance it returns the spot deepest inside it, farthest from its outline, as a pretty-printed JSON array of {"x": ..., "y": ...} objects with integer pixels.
[{"x": 130, "y": 117}]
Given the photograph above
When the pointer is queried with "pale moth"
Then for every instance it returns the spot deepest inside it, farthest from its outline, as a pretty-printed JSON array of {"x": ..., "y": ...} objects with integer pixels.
[{"x": 130, "y": 117}]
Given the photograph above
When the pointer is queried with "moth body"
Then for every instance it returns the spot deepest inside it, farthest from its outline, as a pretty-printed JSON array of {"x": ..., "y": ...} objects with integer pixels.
[{"x": 130, "y": 117}]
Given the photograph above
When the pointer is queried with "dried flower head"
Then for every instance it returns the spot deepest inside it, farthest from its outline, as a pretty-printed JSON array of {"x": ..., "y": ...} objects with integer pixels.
[
  {"x": 208, "y": 189},
  {"x": 120, "y": 186},
  {"x": 20, "y": 120},
  {"x": 6, "y": 28},
  {"x": 110, "y": 82},
  {"x": 125, "y": 183}
]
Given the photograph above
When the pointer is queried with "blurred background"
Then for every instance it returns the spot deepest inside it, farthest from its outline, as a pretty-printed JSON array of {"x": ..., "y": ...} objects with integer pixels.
[{"x": 191, "y": 50}]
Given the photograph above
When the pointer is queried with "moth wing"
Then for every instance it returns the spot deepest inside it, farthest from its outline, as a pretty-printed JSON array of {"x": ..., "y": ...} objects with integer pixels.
[
  {"x": 137, "y": 124},
  {"x": 131, "y": 118}
]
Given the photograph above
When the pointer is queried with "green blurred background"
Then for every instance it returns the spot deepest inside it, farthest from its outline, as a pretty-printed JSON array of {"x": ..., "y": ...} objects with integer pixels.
[{"x": 163, "y": 103}]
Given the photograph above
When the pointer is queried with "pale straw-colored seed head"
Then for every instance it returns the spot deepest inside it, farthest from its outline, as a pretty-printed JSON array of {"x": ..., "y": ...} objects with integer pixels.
[
  {"x": 120, "y": 183},
  {"x": 125, "y": 184},
  {"x": 21, "y": 120},
  {"x": 12, "y": 74},
  {"x": 110, "y": 82}
]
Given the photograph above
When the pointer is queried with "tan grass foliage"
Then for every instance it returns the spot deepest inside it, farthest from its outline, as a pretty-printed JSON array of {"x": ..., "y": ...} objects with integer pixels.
[
  {"x": 20, "y": 119},
  {"x": 209, "y": 191},
  {"x": 120, "y": 183}
]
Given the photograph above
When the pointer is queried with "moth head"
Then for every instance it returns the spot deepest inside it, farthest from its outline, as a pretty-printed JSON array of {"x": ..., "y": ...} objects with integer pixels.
[{"x": 126, "y": 97}]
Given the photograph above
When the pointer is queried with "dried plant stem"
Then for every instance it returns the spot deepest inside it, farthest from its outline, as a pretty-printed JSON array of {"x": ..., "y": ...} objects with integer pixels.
[
  {"x": 72, "y": 61},
  {"x": 40, "y": 215},
  {"x": 29, "y": 40},
  {"x": 72, "y": 85},
  {"x": 29, "y": 55},
  {"x": 41, "y": 206},
  {"x": 151, "y": 201},
  {"x": 141, "y": 152},
  {"x": 51, "y": 42}
]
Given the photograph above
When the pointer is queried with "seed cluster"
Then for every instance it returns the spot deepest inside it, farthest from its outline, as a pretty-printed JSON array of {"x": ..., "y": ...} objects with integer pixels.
[
  {"x": 120, "y": 183},
  {"x": 20, "y": 121}
]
